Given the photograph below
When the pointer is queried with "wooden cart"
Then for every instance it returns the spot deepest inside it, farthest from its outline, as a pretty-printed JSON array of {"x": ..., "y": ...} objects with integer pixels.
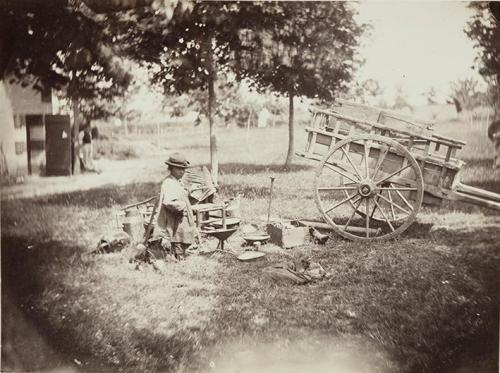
[{"x": 376, "y": 169}]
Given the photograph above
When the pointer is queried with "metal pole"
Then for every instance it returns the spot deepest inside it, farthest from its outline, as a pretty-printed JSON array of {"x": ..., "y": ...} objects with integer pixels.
[{"x": 270, "y": 199}]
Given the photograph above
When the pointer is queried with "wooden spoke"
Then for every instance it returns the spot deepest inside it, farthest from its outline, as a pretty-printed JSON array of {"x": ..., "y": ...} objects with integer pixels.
[
  {"x": 380, "y": 160},
  {"x": 394, "y": 173},
  {"x": 367, "y": 152},
  {"x": 405, "y": 183},
  {"x": 395, "y": 204},
  {"x": 367, "y": 219},
  {"x": 353, "y": 213},
  {"x": 392, "y": 207},
  {"x": 374, "y": 208},
  {"x": 400, "y": 189},
  {"x": 349, "y": 174},
  {"x": 351, "y": 162},
  {"x": 404, "y": 199},
  {"x": 340, "y": 203},
  {"x": 383, "y": 214},
  {"x": 343, "y": 173},
  {"x": 338, "y": 188}
]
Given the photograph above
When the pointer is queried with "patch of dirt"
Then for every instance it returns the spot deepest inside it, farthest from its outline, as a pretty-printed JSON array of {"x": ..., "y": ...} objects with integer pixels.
[{"x": 312, "y": 353}]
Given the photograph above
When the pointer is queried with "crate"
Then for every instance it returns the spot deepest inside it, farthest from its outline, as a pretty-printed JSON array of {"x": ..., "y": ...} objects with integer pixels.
[{"x": 286, "y": 235}]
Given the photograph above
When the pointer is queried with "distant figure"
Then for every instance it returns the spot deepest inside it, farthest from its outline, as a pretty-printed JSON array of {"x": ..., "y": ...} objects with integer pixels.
[
  {"x": 197, "y": 121},
  {"x": 86, "y": 154},
  {"x": 494, "y": 135},
  {"x": 263, "y": 118}
]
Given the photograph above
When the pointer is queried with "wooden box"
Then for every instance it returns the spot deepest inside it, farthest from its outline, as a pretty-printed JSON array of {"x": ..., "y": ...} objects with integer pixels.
[{"x": 287, "y": 236}]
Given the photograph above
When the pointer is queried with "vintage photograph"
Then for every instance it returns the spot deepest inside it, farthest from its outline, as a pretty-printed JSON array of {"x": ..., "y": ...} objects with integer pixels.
[{"x": 250, "y": 186}]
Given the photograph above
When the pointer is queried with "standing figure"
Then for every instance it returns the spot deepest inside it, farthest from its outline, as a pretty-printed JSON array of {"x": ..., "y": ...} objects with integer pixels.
[
  {"x": 494, "y": 135},
  {"x": 86, "y": 150},
  {"x": 175, "y": 224}
]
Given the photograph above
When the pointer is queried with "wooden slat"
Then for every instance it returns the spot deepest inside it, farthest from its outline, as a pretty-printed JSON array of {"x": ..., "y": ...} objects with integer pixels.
[{"x": 424, "y": 135}]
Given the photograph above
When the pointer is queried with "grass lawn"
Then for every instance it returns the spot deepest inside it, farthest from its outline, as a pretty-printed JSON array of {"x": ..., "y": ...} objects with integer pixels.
[{"x": 426, "y": 302}]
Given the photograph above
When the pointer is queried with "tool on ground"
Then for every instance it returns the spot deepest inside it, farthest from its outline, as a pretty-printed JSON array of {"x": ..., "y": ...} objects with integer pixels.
[
  {"x": 317, "y": 236},
  {"x": 139, "y": 203},
  {"x": 250, "y": 255},
  {"x": 270, "y": 200},
  {"x": 256, "y": 237},
  {"x": 149, "y": 228}
]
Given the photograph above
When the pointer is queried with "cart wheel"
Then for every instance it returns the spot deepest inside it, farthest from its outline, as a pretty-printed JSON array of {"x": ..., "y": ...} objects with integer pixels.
[
  {"x": 395, "y": 215},
  {"x": 369, "y": 187}
]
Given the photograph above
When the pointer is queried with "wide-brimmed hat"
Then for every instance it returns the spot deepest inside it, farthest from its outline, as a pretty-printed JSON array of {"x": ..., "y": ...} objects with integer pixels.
[{"x": 177, "y": 160}]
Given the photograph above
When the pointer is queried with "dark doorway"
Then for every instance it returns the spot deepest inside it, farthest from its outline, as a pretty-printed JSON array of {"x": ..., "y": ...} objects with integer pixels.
[{"x": 57, "y": 145}]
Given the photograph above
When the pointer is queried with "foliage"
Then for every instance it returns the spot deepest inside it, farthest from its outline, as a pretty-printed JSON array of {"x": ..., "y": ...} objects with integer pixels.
[
  {"x": 60, "y": 44},
  {"x": 189, "y": 52},
  {"x": 368, "y": 91},
  {"x": 401, "y": 100},
  {"x": 430, "y": 95},
  {"x": 484, "y": 30},
  {"x": 466, "y": 95},
  {"x": 308, "y": 50},
  {"x": 235, "y": 104},
  {"x": 115, "y": 149}
]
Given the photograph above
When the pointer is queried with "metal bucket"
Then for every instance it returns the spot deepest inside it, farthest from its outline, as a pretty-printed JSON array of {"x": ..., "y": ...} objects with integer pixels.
[
  {"x": 233, "y": 208},
  {"x": 132, "y": 224}
]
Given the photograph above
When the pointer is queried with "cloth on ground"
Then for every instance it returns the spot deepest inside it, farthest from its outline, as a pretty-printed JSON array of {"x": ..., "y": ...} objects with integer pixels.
[
  {"x": 113, "y": 242},
  {"x": 299, "y": 273}
]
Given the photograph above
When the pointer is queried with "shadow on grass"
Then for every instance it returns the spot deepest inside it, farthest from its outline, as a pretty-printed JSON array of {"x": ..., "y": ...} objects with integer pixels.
[
  {"x": 105, "y": 196},
  {"x": 65, "y": 336},
  {"x": 474, "y": 350},
  {"x": 186, "y": 147},
  {"x": 24, "y": 281},
  {"x": 432, "y": 309},
  {"x": 251, "y": 169}
]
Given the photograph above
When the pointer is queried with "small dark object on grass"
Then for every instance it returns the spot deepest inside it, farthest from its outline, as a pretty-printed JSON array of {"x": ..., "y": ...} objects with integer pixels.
[
  {"x": 115, "y": 242},
  {"x": 317, "y": 236}
]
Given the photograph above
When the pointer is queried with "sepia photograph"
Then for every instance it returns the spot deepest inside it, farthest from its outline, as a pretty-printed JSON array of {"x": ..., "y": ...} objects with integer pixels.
[{"x": 250, "y": 186}]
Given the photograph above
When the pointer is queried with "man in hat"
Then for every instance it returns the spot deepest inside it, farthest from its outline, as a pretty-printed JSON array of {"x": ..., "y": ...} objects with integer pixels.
[{"x": 174, "y": 222}]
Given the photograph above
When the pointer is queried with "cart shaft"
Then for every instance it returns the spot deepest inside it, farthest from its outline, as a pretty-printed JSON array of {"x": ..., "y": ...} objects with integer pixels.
[{"x": 476, "y": 196}]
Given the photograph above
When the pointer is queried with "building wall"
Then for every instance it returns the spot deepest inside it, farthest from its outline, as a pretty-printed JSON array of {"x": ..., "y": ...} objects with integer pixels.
[
  {"x": 9, "y": 162},
  {"x": 18, "y": 102}
]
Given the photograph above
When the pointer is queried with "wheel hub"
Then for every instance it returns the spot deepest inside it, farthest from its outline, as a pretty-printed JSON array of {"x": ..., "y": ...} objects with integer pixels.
[{"x": 367, "y": 188}]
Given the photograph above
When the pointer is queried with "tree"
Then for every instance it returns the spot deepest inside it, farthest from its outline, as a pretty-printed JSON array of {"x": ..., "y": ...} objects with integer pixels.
[
  {"x": 430, "y": 95},
  {"x": 365, "y": 92},
  {"x": 484, "y": 30},
  {"x": 308, "y": 50},
  {"x": 401, "y": 99},
  {"x": 62, "y": 45},
  {"x": 466, "y": 93},
  {"x": 195, "y": 49}
]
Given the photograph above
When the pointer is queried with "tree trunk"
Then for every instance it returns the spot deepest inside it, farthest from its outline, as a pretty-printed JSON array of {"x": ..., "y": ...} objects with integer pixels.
[
  {"x": 214, "y": 161},
  {"x": 291, "y": 135},
  {"x": 76, "y": 133}
]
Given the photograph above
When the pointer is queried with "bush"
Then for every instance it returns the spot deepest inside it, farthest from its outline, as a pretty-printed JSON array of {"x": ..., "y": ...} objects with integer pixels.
[{"x": 114, "y": 149}]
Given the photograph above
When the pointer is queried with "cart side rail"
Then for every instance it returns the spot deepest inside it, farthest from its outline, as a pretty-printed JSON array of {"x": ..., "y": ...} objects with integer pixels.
[{"x": 422, "y": 134}]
